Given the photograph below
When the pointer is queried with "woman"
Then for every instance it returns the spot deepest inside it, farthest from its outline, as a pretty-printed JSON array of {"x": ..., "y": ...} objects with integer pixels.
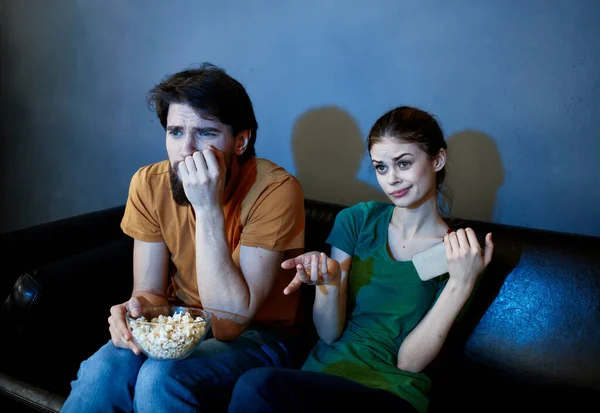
[{"x": 379, "y": 325}]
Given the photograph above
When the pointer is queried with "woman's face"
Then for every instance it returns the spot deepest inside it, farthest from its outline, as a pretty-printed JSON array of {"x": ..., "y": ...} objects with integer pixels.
[{"x": 405, "y": 172}]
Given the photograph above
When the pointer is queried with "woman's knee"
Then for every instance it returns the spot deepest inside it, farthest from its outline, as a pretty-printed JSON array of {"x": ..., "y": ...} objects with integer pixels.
[
  {"x": 263, "y": 381},
  {"x": 261, "y": 377},
  {"x": 263, "y": 388}
]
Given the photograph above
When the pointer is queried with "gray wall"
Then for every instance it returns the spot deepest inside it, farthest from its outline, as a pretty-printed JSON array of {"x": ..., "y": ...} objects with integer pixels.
[{"x": 514, "y": 84}]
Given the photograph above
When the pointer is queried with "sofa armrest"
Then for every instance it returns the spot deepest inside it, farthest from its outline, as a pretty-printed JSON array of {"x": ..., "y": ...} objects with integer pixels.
[
  {"x": 56, "y": 315},
  {"x": 20, "y": 396}
]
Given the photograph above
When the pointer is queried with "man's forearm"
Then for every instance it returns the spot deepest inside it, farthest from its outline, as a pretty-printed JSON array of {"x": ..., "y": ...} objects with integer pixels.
[
  {"x": 153, "y": 297},
  {"x": 221, "y": 285}
]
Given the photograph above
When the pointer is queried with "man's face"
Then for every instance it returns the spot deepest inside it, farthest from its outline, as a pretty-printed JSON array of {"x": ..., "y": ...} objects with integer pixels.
[{"x": 188, "y": 132}]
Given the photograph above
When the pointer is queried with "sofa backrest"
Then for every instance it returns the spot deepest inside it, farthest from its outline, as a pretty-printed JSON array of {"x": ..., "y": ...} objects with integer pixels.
[
  {"x": 533, "y": 323},
  {"x": 42, "y": 244}
]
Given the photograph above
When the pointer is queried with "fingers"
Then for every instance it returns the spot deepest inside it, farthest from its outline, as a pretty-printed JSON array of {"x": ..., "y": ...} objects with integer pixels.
[
  {"x": 463, "y": 242},
  {"x": 300, "y": 278},
  {"x": 293, "y": 286},
  {"x": 119, "y": 331},
  {"x": 208, "y": 162},
  {"x": 130, "y": 344},
  {"x": 314, "y": 268},
  {"x": 198, "y": 162},
  {"x": 473, "y": 242},
  {"x": 117, "y": 320},
  {"x": 215, "y": 160},
  {"x": 454, "y": 246},
  {"x": 303, "y": 259},
  {"x": 301, "y": 273},
  {"x": 134, "y": 306},
  {"x": 467, "y": 239},
  {"x": 464, "y": 239},
  {"x": 134, "y": 302},
  {"x": 448, "y": 246},
  {"x": 122, "y": 342},
  {"x": 184, "y": 167},
  {"x": 289, "y": 263},
  {"x": 190, "y": 164},
  {"x": 489, "y": 249},
  {"x": 324, "y": 273},
  {"x": 318, "y": 265},
  {"x": 116, "y": 338}
]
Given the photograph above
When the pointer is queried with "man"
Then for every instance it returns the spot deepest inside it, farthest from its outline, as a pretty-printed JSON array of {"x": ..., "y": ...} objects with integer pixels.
[{"x": 211, "y": 227}]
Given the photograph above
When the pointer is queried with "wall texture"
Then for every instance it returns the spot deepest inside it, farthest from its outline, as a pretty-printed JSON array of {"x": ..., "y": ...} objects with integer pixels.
[{"x": 515, "y": 86}]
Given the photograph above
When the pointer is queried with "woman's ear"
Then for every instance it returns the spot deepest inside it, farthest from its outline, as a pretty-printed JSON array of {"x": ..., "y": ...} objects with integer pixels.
[
  {"x": 440, "y": 160},
  {"x": 241, "y": 142}
]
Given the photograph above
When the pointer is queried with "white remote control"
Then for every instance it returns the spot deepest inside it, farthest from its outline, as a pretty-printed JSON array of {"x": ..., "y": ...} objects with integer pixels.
[{"x": 432, "y": 262}]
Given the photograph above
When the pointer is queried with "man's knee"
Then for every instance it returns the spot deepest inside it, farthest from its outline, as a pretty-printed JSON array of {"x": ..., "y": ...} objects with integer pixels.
[
  {"x": 104, "y": 380},
  {"x": 106, "y": 364},
  {"x": 152, "y": 374}
]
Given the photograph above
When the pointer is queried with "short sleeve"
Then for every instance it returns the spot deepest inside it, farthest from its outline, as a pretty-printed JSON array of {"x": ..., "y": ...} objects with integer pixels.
[
  {"x": 346, "y": 229},
  {"x": 140, "y": 220},
  {"x": 277, "y": 220}
]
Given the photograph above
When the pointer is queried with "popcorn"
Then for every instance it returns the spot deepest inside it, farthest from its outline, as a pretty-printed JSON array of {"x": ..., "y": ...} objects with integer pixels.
[{"x": 171, "y": 337}]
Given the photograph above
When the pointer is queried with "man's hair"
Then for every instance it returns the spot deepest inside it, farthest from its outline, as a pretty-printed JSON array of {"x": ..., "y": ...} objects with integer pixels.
[{"x": 213, "y": 94}]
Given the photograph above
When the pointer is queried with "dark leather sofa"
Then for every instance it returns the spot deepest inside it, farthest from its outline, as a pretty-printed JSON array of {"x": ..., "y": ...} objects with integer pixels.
[{"x": 530, "y": 340}]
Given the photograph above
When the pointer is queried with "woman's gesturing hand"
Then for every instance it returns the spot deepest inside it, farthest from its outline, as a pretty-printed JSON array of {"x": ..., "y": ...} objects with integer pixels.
[
  {"x": 466, "y": 259},
  {"x": 312, "y": 268}
]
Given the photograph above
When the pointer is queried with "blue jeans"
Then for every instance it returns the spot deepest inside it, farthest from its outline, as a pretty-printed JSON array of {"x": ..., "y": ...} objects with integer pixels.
[
  {"x": 277, "y": 390},
  {"x": 116, "y": 380}
]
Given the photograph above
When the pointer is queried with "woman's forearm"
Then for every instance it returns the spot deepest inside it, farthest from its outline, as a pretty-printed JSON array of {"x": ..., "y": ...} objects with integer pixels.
[
  {"x": 329, "y": 312},
  {"x": 424, "y": 343}
]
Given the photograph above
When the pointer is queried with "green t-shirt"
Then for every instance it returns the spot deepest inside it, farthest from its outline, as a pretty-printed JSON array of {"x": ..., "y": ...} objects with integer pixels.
[{"x": 387, "y": 299}]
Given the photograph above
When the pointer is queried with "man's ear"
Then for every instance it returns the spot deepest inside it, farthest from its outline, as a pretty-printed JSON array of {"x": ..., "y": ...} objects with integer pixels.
[
  {"x": 440, "y": 160},
  {"x": 241, "y": 142}
]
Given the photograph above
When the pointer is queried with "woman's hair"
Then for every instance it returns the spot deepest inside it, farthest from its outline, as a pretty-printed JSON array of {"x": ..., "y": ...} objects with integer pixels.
[
  {"x": 212, "y": 92},
  {"x": 412, "y": 125}
]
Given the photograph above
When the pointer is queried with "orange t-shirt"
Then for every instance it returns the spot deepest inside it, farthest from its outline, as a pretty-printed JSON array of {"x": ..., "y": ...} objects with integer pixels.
[{"x": 263, "y": 207}]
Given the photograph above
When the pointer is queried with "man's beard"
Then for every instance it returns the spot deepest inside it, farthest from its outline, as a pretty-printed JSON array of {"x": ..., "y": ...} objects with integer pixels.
[{"x": 177, "y": 189}]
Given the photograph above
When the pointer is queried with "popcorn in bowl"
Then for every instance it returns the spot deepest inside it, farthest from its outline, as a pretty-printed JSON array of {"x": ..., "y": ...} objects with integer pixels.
[{"x": 169, "y": 332}]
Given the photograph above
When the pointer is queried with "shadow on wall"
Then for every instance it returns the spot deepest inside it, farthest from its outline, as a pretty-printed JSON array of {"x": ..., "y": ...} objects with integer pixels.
[
  {"x": 328, "y": 150},
  {"x": 475, "y": 174}
]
